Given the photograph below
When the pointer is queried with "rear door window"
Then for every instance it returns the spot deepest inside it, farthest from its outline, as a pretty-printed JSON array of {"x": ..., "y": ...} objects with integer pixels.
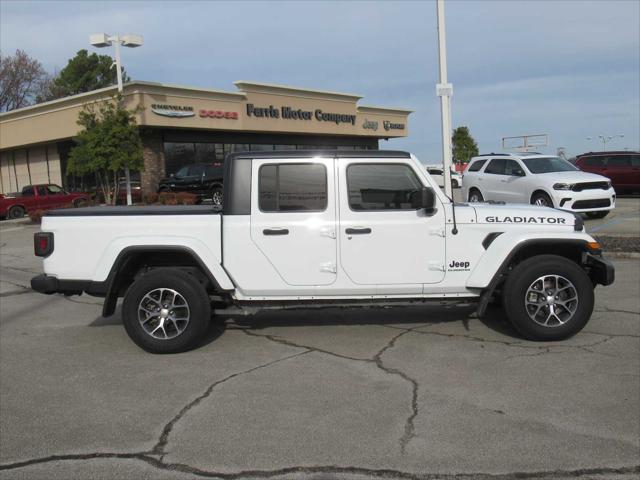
[
  {"x": 496, "y": 166},
  {"x": 635, "y": 160},
  {"x": 42, "y": 191},
  {"x": 381, "y": 186},
  {"x": 291, "y": 187},
  {"x": 476, "y": 166},
  {"x": 28, "y": 192},
  {"x": 619, "y": 161},
  {"x": 594, "y": 162}
]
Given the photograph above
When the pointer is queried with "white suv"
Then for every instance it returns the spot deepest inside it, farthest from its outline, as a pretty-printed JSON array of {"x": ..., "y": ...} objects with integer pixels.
[
  {"x": 539, "y": 180},
  {"x": 437, "y": 173}
]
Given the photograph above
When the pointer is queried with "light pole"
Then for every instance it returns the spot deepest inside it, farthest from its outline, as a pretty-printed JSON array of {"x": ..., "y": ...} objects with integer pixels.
[
  {"x": 444, "y": 90},
  {"x": 100, "y": 40},
  {"x": 606, "y": 139}
]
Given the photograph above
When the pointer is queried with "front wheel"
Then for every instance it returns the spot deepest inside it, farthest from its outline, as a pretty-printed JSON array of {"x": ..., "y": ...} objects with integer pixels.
[
  {"x": 166, "y": 311},
  {"x": 598, "y": 214},
  {"x": 16, "y": 212},
  {"x": 541, "y": 199},
  {"x": 548, "y": 297}
]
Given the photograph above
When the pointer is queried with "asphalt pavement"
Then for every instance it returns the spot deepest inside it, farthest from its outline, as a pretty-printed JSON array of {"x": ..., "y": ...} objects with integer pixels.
[{"x": 426, "y": 392}]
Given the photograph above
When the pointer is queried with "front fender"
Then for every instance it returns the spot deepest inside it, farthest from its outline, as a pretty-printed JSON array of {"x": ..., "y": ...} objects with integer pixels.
[{"x": 504, "y": 247}]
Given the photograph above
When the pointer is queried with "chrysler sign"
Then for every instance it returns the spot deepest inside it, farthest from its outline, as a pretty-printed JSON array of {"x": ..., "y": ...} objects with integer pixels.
[{"x": 178, "y": 111}]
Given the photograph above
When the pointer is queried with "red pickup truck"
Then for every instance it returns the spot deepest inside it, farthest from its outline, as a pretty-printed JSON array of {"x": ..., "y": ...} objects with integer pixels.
[{"x": 39, "y": 197}]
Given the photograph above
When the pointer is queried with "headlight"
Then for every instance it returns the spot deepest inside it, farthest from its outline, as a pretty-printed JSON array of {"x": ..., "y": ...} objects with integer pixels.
[
  {"x": 609, "y": 185},
  {"x": 562, "y": 186}
]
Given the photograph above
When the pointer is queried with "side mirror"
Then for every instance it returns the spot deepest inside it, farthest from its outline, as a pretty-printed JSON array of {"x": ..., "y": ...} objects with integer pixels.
[
  {"x": 425, "y": 198},
  {"x": 519, "y": 173}
]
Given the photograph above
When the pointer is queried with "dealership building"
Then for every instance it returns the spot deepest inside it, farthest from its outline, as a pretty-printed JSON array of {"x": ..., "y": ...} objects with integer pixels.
[{"x": 182, "y": 125}]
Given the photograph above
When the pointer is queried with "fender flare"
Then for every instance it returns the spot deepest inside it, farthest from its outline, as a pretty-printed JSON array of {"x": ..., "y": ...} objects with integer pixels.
[
  {"x": 221, "y": 281},
  {"x": 485, "y": 296}
]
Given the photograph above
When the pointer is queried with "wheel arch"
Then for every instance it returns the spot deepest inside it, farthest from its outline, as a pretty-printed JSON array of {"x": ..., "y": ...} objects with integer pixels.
[
  {"x": 541, "y": 190},
  {"x": 571, "y": 248},
  {"x": 134, "y": 261}
]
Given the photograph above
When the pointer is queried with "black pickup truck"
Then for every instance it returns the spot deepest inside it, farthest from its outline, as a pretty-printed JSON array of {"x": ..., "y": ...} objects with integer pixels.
[{"x": 203, "y": 179}]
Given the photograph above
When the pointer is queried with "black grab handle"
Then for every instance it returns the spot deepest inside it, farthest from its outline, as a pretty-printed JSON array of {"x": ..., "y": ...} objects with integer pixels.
[
  {"x": 276, "y": 231},
  {"x": 357, "y": 231}
]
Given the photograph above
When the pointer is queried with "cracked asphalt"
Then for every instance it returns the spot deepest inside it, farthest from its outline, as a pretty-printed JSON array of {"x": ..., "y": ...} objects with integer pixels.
[{"x": 426, "y": 392}]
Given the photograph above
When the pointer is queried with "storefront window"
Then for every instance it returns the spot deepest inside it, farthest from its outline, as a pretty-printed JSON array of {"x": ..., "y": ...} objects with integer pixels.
[
  {"x": 177, "y": 155},
  {"x": 206, "y": 153}
]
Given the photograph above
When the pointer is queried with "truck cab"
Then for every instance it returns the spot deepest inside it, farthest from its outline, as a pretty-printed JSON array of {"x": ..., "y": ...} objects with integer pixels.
[{"x": 320, "y": 228}]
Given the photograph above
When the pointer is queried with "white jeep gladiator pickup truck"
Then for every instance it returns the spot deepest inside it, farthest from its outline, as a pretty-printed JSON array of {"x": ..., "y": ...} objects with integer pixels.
[{"x": 321, "y": 228}]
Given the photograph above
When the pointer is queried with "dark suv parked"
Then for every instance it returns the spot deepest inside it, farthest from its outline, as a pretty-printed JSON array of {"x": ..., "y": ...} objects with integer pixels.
[
  {"x": 622, "y": 168},
  {"x": 203, "y": 179}
]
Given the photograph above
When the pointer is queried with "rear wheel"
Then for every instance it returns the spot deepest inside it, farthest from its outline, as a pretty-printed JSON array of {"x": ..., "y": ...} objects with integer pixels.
[
  {"x": 541, "y": 199},
  {"x": 16, "y": 212},
  {"x": 80, "y": 202},
  {"x": 548, "y": 297},
  {"x": 166, "y": 311},
  {"x": 598, "y": 214},
  {"x": 475, "y": 196}
]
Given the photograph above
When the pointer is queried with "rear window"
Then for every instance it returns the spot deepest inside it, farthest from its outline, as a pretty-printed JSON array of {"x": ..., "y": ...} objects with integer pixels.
[
  {"x": 495, "y": 166},
  {"x": 476, "y": 166},
  {"x": 619, "y": 161},
  {"x": 593, "y": 161},
  {"x": 293, "y": 187}
]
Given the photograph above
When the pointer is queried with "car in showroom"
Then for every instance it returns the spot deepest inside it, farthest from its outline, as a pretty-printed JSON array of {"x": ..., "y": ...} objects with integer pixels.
[
  {"x": 437, "y": 173},
  {"x": 203, "y": 179},
  {"x": 621, "y": 167},
  {"x": 537, "y": 179}
]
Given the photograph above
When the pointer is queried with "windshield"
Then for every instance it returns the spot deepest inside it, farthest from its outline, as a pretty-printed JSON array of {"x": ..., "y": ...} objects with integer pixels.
[{"x": 548, "y": 165}]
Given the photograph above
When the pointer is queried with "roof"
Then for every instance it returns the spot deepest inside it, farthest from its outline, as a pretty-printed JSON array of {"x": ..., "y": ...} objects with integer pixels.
[{"x": 318, "y": 153}]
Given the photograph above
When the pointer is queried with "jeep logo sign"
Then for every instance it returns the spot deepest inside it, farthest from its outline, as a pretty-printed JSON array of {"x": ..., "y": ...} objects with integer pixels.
[{"x": 456, "y": 266}]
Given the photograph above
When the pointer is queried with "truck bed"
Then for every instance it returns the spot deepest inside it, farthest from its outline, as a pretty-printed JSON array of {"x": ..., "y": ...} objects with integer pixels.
[{"x": 135, "y": 211}]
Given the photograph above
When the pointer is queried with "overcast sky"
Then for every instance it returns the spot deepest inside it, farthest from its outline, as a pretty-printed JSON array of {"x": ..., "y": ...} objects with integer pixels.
[{"x": 570, "y": 69}]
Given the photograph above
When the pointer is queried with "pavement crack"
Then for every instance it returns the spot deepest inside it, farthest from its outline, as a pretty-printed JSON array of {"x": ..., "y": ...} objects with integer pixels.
[
  {"x": 159, "y": 448},
  {"x": 605, "y": 309},
  {"x": 409, "y": 429},
  {"x": 326, "y": 470}
]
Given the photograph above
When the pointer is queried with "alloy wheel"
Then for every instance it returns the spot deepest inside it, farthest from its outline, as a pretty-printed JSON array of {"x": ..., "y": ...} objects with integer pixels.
[
  {"x": 163, "y": 313},
  {"x": 551, "y": 300}
]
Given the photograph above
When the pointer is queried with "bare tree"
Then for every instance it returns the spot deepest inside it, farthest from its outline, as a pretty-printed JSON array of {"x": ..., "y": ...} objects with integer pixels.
[{"x": 21, "y": 80}]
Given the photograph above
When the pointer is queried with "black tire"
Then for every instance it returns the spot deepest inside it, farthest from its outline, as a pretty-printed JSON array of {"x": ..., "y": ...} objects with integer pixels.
[
  {"x": 216, "y": 195},
  {"x": 80, "y": 202},
  {"x": 516, "y": 292},
  {"x": 454, "y": 184},
  {"x": 541, "y": 199},
  {"x": 598, "y": 214},
  {"x": 194, "y": 295},
  {"x": 475, "y": 196},
  {"x": 16, "y": 212}
]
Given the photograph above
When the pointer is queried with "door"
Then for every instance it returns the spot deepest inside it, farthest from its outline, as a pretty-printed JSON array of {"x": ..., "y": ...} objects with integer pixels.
[
  {"x": 489, "y": 180},
  {"x": 293, "y": 218},
  {"x": 513, "y": 184},
  {"x": 383, "y": 239},
  {"x": 619, "y": 170}
]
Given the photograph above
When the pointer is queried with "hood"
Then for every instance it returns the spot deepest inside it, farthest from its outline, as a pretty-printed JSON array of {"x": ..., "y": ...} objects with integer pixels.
[
  {"x": 571, "y": 177},
  {"x": 526, "y": 215}
]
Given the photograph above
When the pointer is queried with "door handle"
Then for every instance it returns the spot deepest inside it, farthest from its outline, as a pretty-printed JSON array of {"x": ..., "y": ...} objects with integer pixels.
[
  {"x": 276, "y": 231},
  {"x": 357, "y": 231}
]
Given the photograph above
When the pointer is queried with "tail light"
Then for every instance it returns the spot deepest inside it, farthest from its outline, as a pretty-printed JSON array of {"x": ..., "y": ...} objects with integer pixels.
[{"x": 43, "y": 244}]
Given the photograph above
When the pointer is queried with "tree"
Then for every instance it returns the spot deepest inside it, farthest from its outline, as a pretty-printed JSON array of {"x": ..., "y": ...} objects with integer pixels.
[
  {"x": 21, "y": 80},
  {"x": 464, "y": 146},
  {"x": 85, "y": 73},
  {"x": 109, "y": 142}
]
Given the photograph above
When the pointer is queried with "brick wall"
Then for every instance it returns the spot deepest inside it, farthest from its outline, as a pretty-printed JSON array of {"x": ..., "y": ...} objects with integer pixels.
[{"x": 153, "y": 152}]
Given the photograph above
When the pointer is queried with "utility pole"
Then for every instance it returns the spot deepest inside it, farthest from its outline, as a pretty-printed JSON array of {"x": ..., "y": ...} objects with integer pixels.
[{"x": 444, "y": 90}]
